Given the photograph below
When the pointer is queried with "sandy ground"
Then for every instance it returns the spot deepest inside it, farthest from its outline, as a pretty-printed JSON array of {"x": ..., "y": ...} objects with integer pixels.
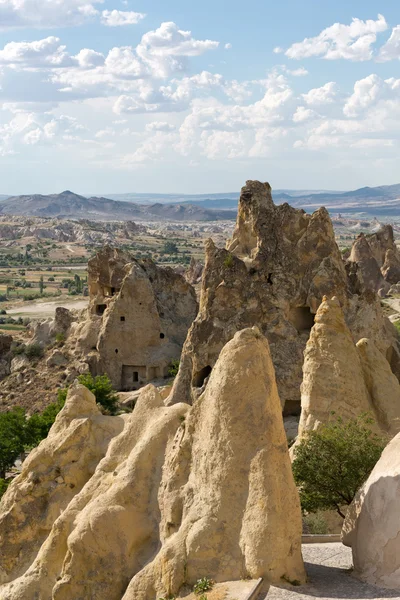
[
  {"x": 329, "y": 576},
  {"x": 42, "y": 309}
]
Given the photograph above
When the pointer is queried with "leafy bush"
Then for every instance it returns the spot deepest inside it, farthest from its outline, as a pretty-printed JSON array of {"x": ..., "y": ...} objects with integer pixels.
[
  {"x": 203, "y": 585},
  {"x": 39, "y": 425},
  {"x": 170, "y": 248},
  {"x": 60, "y": 338},
  {"x": 173, "y": 368},
  {"x": 228, "y": 261},
  {"x": 18, "y": 350},
  {"x": 3, "y": 486},
  {"x": 332, "y": 462},
  {"x": 101, "y": 387},
  {"x": 316, "y": 524},
  {"x": 34, "y": 351},
  {"x": 12, "y": 438}
]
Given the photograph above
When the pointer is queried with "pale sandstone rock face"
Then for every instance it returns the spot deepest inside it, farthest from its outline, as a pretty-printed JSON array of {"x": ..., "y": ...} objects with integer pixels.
[
  {"x": 391, "y": 266},
  {"x": 51, "y": 476},
  {"x": 194, "y": 272},
  {"x": 372, "y": 525},
  {"x": 274, "y": 274},
  {"x": 183, "y": 492},
  {"x": 57, "y": 359},
  {"x": 341, "y": 379},
  {"x": 333, "y": 379},
  {"x": 43, "y": 332},
  {"x": 382, "y": 385},
  {"x": 139, "y": 316}
]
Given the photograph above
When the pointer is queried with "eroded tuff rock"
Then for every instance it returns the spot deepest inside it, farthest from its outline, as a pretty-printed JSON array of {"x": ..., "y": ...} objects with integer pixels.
[
  {"x": 51, "y": 476},
  {"x": 344, "y": 379},
  {"x": 139, "y": 315},
  {"x": 372, "y": 525},
  {"x": 183, "y": 492},
  {"x": 44, "y": 332},
  {"x": 274, "y": 274},
  {"x": 378, "y": 259}
]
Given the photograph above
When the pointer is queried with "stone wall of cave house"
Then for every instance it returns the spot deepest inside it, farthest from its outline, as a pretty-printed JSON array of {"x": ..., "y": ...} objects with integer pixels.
[{"x": 133, "y": 348}]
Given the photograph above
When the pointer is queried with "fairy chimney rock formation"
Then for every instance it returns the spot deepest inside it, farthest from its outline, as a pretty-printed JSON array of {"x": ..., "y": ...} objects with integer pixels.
[
  {"x": 333, "y": 380},
  {"x": 51, "y": 476},
  {"x": 274, "y": 273},
  {"x": 372, "y": 525},
  {"x": 139, "y": 315},
  {"x": 378, "y": 259},
  {"x": 341, "y": 379},
  {"x": 182, "y": 493}
]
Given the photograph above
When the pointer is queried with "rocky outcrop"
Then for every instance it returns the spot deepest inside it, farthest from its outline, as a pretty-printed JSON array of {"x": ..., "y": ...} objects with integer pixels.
[
  {"x": 194, "y": 272},
  {"x": 341, "y": 379},
  {"x": 183, "y": 492},
  {"x": 44, "y": 332},
  {"x": 273, "y": 274},
  {"x": 51, "y": 476},
  {"x": 333, "y": 383},
  {"x": 391, "y": 267},
  {"x": 378, "y": 259},
  {"x": 139, "y": 316},
  {"x": 372, "y": 525}
]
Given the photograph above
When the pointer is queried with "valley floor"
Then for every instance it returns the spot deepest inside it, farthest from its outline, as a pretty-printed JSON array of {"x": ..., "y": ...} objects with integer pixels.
[{"x": 44, "y": 308}]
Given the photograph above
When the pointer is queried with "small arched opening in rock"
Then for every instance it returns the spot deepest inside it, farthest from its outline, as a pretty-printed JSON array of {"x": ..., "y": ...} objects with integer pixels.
[
  {"x": 162, "y": 336},
  {"x": 100, "y": 308},
  {"x": 122, "y": 319},
  {"x": 116, "y": 350},
  {"x": 200, "y": 377},
  {"x": 269, "y": 280},
  {"x": 301, "y": 318}
]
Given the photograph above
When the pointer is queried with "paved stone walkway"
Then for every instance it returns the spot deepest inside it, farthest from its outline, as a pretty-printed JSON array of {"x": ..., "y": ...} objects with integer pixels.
[{"x": 329, "y": 576}]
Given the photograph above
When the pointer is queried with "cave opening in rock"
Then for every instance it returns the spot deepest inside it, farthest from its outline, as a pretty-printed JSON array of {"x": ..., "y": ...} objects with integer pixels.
[
  {"x": 200, "y": 377},
  {"x": 301, "y": 318},
  {"x": 100, "y": 308}
]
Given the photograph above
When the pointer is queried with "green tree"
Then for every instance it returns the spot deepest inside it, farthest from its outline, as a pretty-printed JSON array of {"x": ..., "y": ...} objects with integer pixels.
[
  {"x": 78, "y": 283},
  {"x": 173, "y": 368},
  {"x": 101, "y": 387},
  {"x": 170, "y": 248},
  {"x": 41, "y": 285},
  {"x": 39, "y": 424},
  {"x": 12, "y": 438},
  {"x": 332, "y": 462},
  {"x": 3, "y": 487}
]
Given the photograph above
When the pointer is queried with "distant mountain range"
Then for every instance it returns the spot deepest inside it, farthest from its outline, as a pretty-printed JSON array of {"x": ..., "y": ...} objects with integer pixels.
[
  {"x": 382, "y": 200},
  {"x": 68, "y": 205}
]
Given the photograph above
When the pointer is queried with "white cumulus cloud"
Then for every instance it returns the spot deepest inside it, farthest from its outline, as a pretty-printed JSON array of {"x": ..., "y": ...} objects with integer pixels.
[
  {"x": 46, "y": 13},
  {"x": 391, "y": 50},
  {"x": 322, "y": 95},
  {"x": 118, "y": 18},
  {"x": 351, "y": 42}
]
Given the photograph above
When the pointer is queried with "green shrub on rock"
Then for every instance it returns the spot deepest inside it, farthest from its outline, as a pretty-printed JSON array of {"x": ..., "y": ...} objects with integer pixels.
[{"x": 332, "y": 462}]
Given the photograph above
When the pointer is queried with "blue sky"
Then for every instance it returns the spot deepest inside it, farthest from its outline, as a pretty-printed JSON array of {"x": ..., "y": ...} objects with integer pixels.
[{"x": 124, "y": 96}]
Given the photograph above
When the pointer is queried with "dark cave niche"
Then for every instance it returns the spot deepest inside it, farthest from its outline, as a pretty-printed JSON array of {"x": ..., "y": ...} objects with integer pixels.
[
  {"x": 302, "y": 318},
  {"x": 200, "y": 377}
]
